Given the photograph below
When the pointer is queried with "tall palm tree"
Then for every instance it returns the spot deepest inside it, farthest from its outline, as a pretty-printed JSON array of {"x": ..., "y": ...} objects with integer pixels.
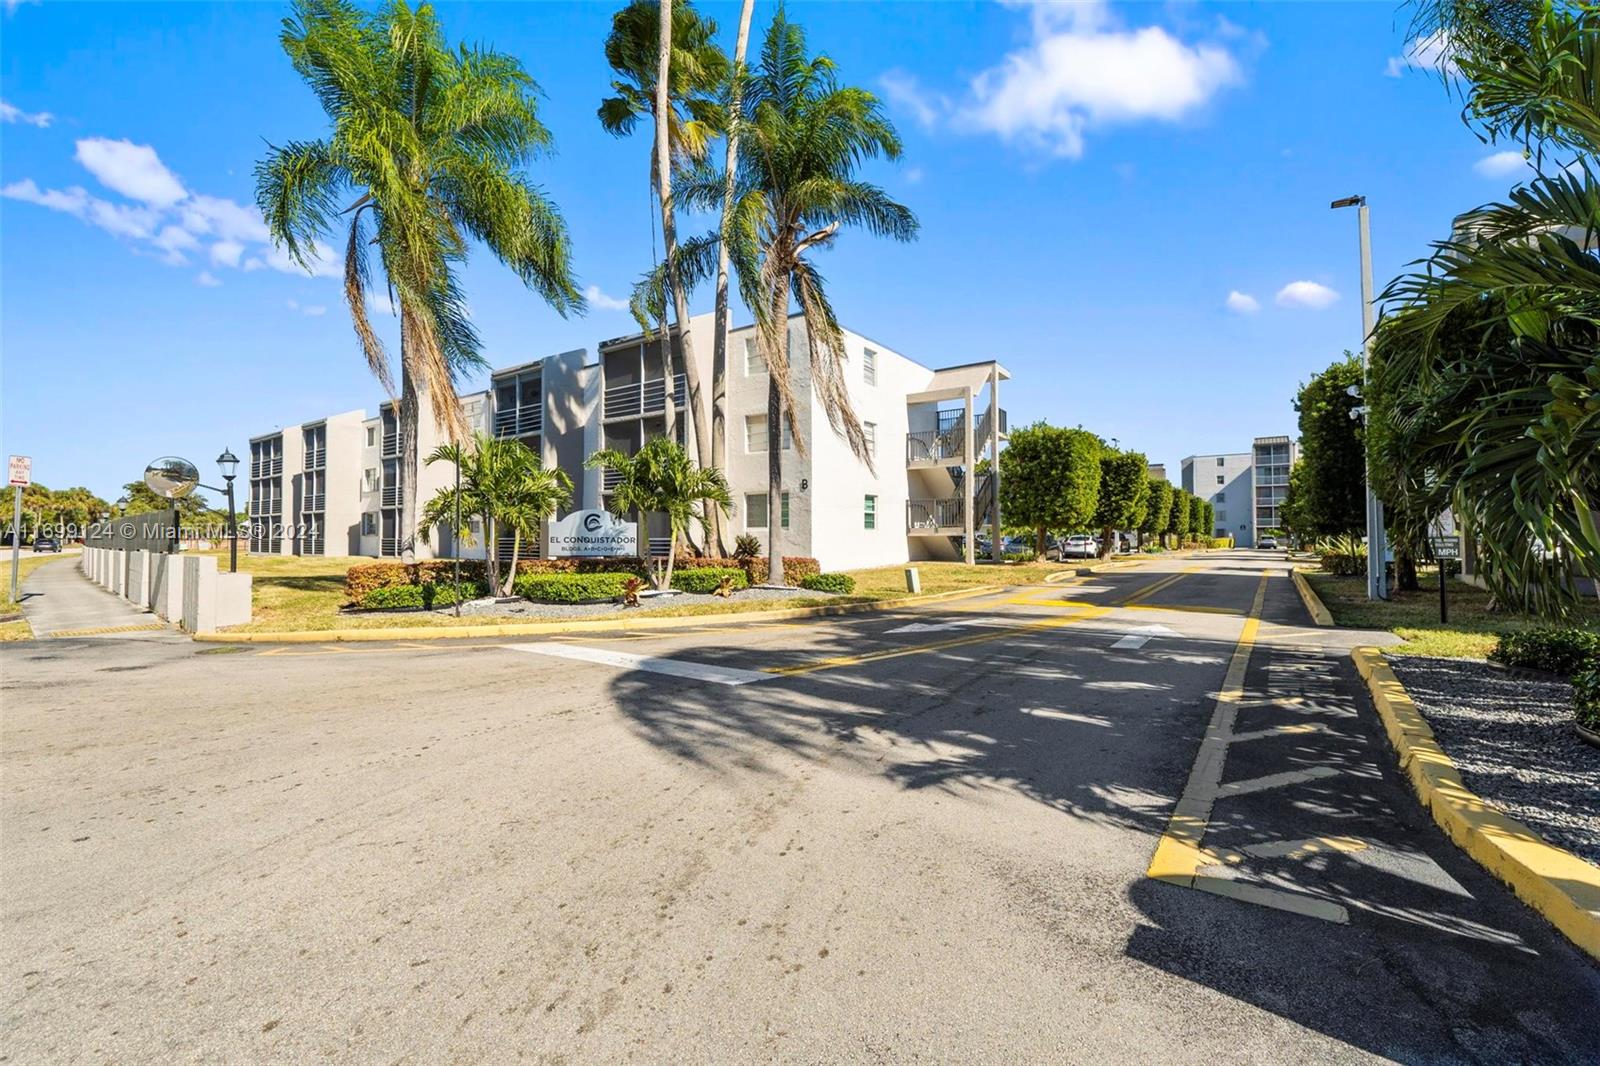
[
  {"x": 503, "y": 484},
  {"x": 719, "y": 339},
  {"x": 660, "y": 478},
  {"x": 427, "y": 150},
  {"x": 802, "y": 138},
  {"x": 669, "y": 67}
]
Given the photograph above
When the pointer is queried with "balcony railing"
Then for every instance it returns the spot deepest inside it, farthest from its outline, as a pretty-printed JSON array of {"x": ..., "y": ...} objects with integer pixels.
[
  {"x": 519, "y": 422},
  {"x": 643, "y": 398},
  {"x": 316, "y": 460},
  {"x": 391, "y": 445},
  {"x": 936, "y": 515},
  {"x": 609, "y": 479},
  {"x": 314, "y": 504},
  {"x": 389, "y": 546},
  {"x": 391, "y": 496},
  {"x": 932, "y": 447},
  {"x": 266, "y": 467}
]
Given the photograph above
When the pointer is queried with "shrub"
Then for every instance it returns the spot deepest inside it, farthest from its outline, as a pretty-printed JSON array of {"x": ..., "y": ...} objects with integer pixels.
[
  {"x": 572, "y": 588},
  {"x": 746, "y": 546},
  {"x": 843, "y": 584},
  {"x": 1345, "y": 557},
  {"x": 1586, "y": 696},
  {"x": 1564, "y": 650},
  {"x": 1019, "y": 557},
  {"x": 364, "y": 577},
  {"x": 626, "y": 564},
  {"x": 795, "y": 567},
  {"x": 705, "y": 579},
  {"x": 429, "y": 595}
]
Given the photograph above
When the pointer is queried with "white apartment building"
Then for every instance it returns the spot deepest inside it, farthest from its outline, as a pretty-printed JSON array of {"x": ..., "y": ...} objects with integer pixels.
[
  {"x": 1247, "y": 489},
  {"x": 926, "y": 429}
]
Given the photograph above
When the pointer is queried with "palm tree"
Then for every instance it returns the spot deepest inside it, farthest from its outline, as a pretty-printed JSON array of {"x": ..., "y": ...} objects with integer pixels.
[
  {"x": 427, "y": 150},
  {"x": 669, "y": 67},
  {"x": 503, "y": 484},
  {"x": 1496, "y": 344},
  {"x": 802, "y": 138},
  {"x": 660, "y": 478}
]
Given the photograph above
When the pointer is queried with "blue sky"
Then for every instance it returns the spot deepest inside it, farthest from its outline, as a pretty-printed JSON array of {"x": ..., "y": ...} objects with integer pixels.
[{"x": 1126, "y": 204}]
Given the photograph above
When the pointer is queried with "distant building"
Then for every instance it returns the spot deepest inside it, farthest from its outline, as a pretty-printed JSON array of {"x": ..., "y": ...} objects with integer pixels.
[
  {"x": 1272, "y": 458},
  {"x": 1158, "y": 471},
  {"x": 1226, "y": 480}
]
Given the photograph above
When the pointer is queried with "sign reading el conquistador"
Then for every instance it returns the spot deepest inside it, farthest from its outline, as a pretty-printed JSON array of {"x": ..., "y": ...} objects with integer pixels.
[{"x": 591, "y": 534}]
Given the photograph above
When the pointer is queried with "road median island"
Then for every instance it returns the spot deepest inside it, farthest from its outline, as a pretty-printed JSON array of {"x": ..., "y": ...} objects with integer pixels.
[
  {"x": 1314, "y": 606},
  {"x": 1556, "y": 883}
]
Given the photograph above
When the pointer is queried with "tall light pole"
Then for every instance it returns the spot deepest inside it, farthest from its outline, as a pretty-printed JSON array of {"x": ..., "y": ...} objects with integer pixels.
[
  {"x": 1377, "y": 540},
  {"x": 228, "y": 463}
]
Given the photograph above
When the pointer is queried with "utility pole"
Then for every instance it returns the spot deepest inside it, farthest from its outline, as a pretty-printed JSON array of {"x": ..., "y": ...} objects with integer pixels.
[{"x": 1377, "y": 540}]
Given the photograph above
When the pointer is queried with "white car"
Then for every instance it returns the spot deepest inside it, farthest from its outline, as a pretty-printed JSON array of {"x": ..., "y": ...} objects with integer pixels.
[
  {"x": 1268, "y": 543},
  {"x": 1080, "y": 546}
]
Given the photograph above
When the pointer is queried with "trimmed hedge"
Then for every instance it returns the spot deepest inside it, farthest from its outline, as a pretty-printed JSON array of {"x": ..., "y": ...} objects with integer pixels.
[
  {"x": 843, "y": 584},
  {"x": 795, "y": 567},
  {"x": 364, "y": 577},
  {"x": 570, "y": 588},
  {"x": 1586, "y": 696},
  {"x": 430, "y": 595},
  {"x": 1564, "y": 650},
  {"x": 706, "y": 579}
]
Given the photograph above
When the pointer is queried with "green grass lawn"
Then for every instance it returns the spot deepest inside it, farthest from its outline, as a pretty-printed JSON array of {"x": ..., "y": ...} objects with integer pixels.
[
  {"x": 1414, "y": 616},
  {"x": 305, "y": 593}
]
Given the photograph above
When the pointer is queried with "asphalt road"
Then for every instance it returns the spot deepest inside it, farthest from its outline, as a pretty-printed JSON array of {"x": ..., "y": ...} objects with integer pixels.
[{"x": 844, "y": 840}]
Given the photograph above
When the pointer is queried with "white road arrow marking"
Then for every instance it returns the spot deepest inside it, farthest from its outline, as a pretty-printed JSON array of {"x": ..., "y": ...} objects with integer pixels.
[
  {"x": 934, "y": 627},
  {"x": 1138, "y": 638}
]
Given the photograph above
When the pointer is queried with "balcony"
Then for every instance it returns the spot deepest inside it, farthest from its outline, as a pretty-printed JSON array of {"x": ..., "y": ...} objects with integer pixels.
[
  {"x": 519, "y": 422},
  {"x": 642, "y": 398},
  {"x": 314, "y": 504},
  {"x": 930, "y": 517},
  {"x": 391, "y": 496},
  {"x": 931, "y": 448},
  {"x": 389, "y": 546},
  {"x": 316, "y": 460},
  {"x": 609, "y": 479},
  {"x": 266, "y": 467},
  {"x": 391, "y": 445}
]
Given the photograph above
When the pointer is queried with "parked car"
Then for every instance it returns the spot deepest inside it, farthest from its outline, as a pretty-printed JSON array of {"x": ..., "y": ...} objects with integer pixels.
[
  {"x": 1268, "y": 542},
  {"x": 46, "y": 544},
  {"x": 1017, "y": 545},
  {"x": 1080, "y": 546}
]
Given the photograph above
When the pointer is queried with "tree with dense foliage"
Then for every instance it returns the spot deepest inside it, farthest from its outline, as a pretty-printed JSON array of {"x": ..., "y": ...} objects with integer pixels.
[
  {"x": 1331, "y": 450},
  {"x": 75, "y": 508},
  {"x": 426, "y": 152},
  {"x": 1291, "y": 512},
  {"x": 1158, "y": 509},
  {"x": 1124, "y": 495},
  {"x": 668, "y": 67},
  {"x": 660, "y": 478},
  {"x": 1516, "y": 410},
  {"x": 505, "y": 486},
  {"x": 1178, "y": 514},
  {"x": 1050, "y": 479},
  {"x": 802, "y": 139}
]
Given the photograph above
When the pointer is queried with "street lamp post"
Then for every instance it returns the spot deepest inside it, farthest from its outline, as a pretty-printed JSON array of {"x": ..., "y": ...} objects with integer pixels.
[
  {"x": 1377, "y": 540},
  {"x": 228, "y": 463}
]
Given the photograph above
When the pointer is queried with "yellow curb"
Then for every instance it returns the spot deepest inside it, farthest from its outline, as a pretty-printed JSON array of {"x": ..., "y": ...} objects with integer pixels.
[
  {"x": 98, "y": 630},
  {"x": 520, "y": 629},
  {"x": 1554, "y": 882},
  {"x": 1308, "y": 596}
]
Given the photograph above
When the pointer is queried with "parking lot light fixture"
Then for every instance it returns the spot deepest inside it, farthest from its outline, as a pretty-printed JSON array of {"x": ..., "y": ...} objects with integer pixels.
[{"x": 228, "y": 463}]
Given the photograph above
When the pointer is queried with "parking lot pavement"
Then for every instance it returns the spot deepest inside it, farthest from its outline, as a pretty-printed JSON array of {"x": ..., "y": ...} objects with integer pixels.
[{"x": 924, "y": 834}]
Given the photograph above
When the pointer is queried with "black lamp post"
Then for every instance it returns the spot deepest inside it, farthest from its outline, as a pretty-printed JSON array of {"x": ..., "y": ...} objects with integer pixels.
[{"x": 228, "y": 463}]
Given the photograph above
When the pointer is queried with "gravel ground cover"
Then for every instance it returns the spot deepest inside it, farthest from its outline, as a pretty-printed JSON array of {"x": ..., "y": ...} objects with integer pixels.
[
  {"x": 1512, "y": 738},
  {"x": 528, "y": 611}
]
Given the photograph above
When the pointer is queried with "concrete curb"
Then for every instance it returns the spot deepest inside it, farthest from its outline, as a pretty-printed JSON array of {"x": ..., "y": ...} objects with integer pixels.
[
  {"x": 1308, "y": 596},
  {"x": 521, "y": 629},
  {"x": 1554, "y": 882}
]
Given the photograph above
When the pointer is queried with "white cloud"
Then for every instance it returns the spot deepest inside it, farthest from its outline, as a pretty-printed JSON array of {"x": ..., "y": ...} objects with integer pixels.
[
  {"x": 323, "y": 264},
  {"x": 119, "y": 219},
  {"x": 1423, "y": 53},
  {"x": 12, "y": 5},
  {"x": 1307, "y": 294},
  {"x": 599, "y": 299},
  {"x": 1242, "y": 303},
  {"x": 378, "y": 303},
  {"x": 914, "y": 175},
  {"x": 12, "y": 113},
  {"x": 134, "y": 170},
  {"x": 224, "y": 218},
  {"x": 1502, "y": 165},
  {"x": 313, "y": 310},
  {"x": 1082, "y": 71},
  {"x": 206, "y": 278},
  {"x": 904, "y": 90},
  {"x": 227, "y": 253},
  {"x": 175, "y": 241}
]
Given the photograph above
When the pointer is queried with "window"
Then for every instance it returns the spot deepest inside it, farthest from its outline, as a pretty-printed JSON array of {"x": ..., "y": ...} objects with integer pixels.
[
  {"x": 788, "y": 436},
  {"x": 870, "y": 431},
  {"x": 783, "y": 510},
  {"x": 755, "y": 433},
  {"x": 1221, "y": 461},
  {"x": 869, "y": 513},
  {"x": 1222, "y": 516},
  {"x": 369, "y": 524},
  {"x": 372, "y": 436},
  {"x": 753, "y": 363},
  {"x": 1220, "y": 497},
  {"x": 755, "y": 510},
  {"x": 1221, "y": 480},
  {"x": 369, "y": 479},
  {"x": 869, "y": 366}
]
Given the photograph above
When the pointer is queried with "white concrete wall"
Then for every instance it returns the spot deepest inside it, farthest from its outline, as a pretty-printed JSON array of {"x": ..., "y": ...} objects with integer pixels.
[
  {"x": 342, "y": 496},
  {"x": 1236, "y": 508},
  {"x": 177, "y": 588}
]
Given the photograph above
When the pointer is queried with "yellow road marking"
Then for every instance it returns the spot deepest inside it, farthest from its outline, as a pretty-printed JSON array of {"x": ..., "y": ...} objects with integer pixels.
[
  {"x": 835, "y": 662},
  {"x": 98, "y": 630},
  {"x": 1188, "y": 608},
  {"x": 1178, "y": 857}
]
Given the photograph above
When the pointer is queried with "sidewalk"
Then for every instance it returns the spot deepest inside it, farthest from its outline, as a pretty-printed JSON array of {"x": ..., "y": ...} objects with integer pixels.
[{"x": 58, "y": 601}]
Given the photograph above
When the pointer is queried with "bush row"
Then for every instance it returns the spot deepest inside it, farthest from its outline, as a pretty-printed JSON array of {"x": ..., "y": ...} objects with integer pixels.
[
  {"x": 428, "y": 595},
  {"x": 1564, "y": 650},
  {"x": 707, "y": 579},
  {"x": 842, "y": 584},
  {"x": 1586, "y": 696},
  {"x": 362, "y": 578},
  {"x": 795, "y": 567},
  {"x": 570, "y": 587}
]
